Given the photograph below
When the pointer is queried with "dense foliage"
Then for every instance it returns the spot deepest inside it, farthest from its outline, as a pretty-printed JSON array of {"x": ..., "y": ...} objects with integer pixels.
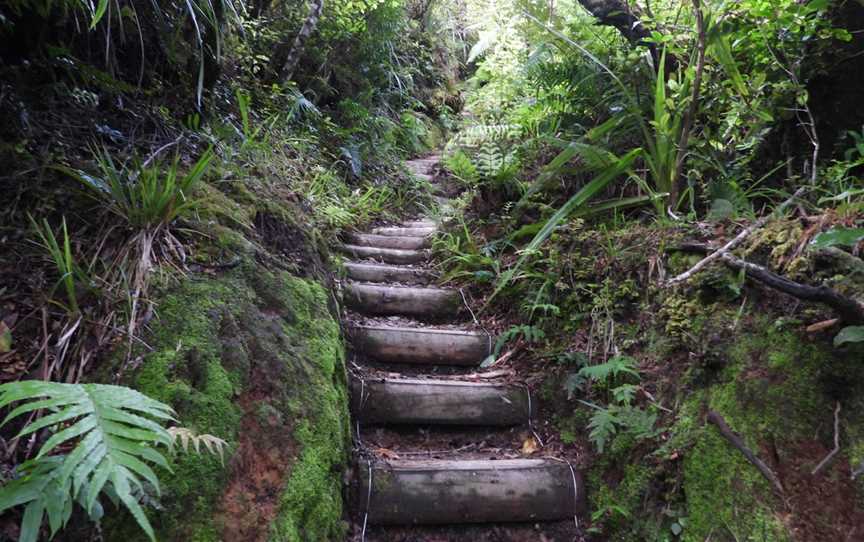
[{"x": 147, "y": 141}]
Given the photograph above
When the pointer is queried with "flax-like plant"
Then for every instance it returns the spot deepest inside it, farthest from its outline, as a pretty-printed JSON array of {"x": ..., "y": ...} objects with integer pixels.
[
  {"x": 144, "y": 195},
  {"x": 70, "y": 273},
  {"x": 575, "y": 204}
]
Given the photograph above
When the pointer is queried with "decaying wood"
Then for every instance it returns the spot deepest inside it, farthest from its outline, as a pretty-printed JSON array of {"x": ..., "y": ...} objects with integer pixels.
[
  {"x": 387, "y": 255},
  {"x": 382, "y": 299},
  {"x": 850, "y": 310},
  {"x": 440, "y": 402},
  {"x": 370, "y": 272},
  {"x": 402, "y": 242},
  {"x": 420, "y": 492},
  {"x": 822, "y": 464},
  {"x": 420, "y": 345},
  {"x": 823, "y": 325},
  {"x": 730, "y": 435},
  {"x": 746, "y": 232}
]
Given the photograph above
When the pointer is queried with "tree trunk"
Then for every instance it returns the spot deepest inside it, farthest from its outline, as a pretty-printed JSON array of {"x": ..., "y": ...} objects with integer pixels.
[
  {"x": 618, "y": 14},
  {"x": 287, "y": 70}
]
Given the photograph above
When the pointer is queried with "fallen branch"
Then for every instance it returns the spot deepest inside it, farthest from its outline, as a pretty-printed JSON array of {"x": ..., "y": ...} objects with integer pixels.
[
  {"x": 735, "y": 241},
  {"x": 850, "y": 310},
  {"x": 730, "y": 435},
  {"x": 822, "y": 464}
]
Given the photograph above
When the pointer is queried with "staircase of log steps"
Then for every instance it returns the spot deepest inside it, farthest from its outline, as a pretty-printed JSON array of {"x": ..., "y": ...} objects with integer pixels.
[{"x": 413, "y": 347}]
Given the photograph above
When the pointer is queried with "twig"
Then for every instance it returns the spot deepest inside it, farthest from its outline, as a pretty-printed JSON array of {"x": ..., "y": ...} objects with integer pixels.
[
  {"x": 735, "y": 241},
  {"x": 730, "y": 435},
  {"x": 822, "y": 464}
]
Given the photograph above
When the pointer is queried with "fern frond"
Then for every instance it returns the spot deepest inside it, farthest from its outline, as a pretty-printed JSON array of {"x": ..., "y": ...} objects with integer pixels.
[
  {"x": 117, "y": 430},
  {"x": 213, "y": 444}
]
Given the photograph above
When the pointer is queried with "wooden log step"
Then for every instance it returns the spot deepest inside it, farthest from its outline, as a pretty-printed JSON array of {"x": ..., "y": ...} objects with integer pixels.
[
  {"x": 387, "y": 255},
  {"x": 411, "y": 492},
  {"x": 407, "y": 231},
  {"x": 400, "y": 242},
  {"x": 370, "y": 272},
  {"x": 423, "y": 223},
  {"x": 421, "y": 345},
  {"x": 379, "y": 299},
  {"x": 440, "y": 402}
]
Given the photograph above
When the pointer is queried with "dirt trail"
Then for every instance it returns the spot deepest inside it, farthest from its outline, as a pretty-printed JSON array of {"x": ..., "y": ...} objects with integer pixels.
[{"x": 439, "y": 444}]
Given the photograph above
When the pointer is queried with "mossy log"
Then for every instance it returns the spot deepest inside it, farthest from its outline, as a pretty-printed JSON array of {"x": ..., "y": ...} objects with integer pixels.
[
  {"x": 382, "y": 299},
  {"x": 440, "y": 402},
  {"x": 387, "y": 255},
  {"x": 369, "y": 272},
  {"x": 421, "y": 346},
  {"x": 470, "y": 491},
  {"x": 401, "y": 242}
]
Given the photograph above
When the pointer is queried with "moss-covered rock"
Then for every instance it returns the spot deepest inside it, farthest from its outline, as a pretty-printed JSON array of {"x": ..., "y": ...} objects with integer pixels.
[{"x": 254, "y": 357}]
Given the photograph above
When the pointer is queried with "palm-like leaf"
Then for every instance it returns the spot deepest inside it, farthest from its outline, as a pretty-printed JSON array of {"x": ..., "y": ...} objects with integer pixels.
[{"x": 116, "y": 430}]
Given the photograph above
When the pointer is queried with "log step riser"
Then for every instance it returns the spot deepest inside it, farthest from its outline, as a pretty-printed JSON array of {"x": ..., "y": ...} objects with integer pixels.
[
  {"x": 419, "y": 224},
  {"x": 406, "y": 345},
  {"x": 385, "y": 273},
  {"x": 453, "y": 492},
  {"x": 436, "y": 402},
  {"x": 387, "y": 255},
  {"x": 388, "y": 241},
  {"x": 375, "y": 299},
  {"x": 399, "y": 231}
]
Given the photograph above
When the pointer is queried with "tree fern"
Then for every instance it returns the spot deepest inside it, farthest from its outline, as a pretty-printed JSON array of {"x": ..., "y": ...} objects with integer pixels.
[{"x": 117, "y": 431}]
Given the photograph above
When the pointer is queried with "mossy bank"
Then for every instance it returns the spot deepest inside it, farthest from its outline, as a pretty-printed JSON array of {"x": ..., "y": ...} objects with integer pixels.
[{"x": 251, "y": 352}]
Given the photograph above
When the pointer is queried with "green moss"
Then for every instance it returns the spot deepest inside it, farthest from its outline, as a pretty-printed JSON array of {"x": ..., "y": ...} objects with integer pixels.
[
  {"x": 310, "y": 506},
  {"x": 214, "y": 339},
  {"x": 770, "y": 390},
  {"x": 725, "y": 495},
  {"x": 618, "y": 505}
]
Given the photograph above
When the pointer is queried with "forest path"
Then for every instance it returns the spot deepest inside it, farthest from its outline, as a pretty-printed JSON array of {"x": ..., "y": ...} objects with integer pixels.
[{"x": 435, "y": 458}]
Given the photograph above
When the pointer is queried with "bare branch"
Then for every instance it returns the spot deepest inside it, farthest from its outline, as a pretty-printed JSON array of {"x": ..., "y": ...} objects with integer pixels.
[
  {"x": 730, "y": 435},
  {"x": 735, "y": 241},
  {"x": 822, "y": 464},
  {"x": 850, "y": 310}
]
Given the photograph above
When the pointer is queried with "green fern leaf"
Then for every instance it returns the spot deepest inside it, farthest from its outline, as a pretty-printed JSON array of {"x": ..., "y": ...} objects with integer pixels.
[
  {"x": 117, "y": 430},
  {"x": 603, "y": 426}
]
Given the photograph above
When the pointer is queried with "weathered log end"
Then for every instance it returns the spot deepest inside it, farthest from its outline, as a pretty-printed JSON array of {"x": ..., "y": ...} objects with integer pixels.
[
  {"x": 406, "y": 231},
  {"x": 379, "y": 299},
  {"x": 386, "y": 255},
  {"x": 401, "y": 242},
  {"x": 421, "y": 345},
  {"x": 370, "y": 272},
  {"x": 469, "y": 491},
  {"x": 397, "y": 401}
]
